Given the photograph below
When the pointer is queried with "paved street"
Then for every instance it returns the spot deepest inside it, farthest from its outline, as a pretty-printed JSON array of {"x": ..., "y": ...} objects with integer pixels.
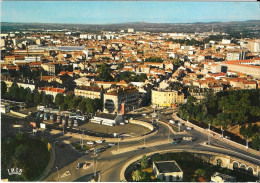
[{"x": 111, "y": 160}]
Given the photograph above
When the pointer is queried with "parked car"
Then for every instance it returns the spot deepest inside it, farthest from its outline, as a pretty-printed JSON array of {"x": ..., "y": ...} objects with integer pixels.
[
  {"x": 189, "y": 128},
  {"x": 78, "y": 166},
  {"x": 96, "y": 151},
  {"x": 100, "y": 141},
  {"x": 112, "y": 144},
  {"x": 90, "y": 142},
  {"x": 172, "y": 122},
  {"x": 122, "y": 123}
]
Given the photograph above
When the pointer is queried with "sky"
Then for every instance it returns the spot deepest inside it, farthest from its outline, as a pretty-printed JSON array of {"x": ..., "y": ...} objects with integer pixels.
[{"x": 105, "y": 12}]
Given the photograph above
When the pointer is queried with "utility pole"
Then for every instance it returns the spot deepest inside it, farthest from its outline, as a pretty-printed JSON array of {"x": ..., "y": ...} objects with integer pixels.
[
  {"x": 93, "y": 165},
  {"x": 58, "y": 174},
  {"x": 169, "y": 134},
  {"x": 118, "y": 142},
  {"x": 63, "y": 129},
  {"x": 96, "y": 167},
  {"x": 82, "y": 142},
  {"x": 246, "y": 142},
  {"x": 144, "y": 140},
  {"x": 209, "y": 135}
]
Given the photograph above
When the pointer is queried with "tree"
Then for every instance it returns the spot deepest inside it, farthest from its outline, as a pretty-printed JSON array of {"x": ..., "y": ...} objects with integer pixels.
[
  {"x": 43, "y": 97},
  {"x": 37, "y": 98},
  {"x": 48, "y": 100},
  {"x": 14, "y": 91},
  {"x": 104, "y": 73},
  {"x": 29, "y": 99},
  {"x": 256, "y": 141},
  {"x": 82, "y": 106},
  {"x": 137, "y": 175},
  {"x": 3, "y": 88},
  {"x": 74, "y": 103},
  {"x": 59, "y": 99},
  {"x": 64, "y": 106},
  {"x": 144, "y": 162},
  {"x": 200, "y": 172},
  {"x": 154, "y": 59},
  {"x": 22, "y": 94},
  {"x": 90, "y": 106}
]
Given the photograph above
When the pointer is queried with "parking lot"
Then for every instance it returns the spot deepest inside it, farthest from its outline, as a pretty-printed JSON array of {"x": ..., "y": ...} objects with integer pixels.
[{"x": 131, "y": 130}]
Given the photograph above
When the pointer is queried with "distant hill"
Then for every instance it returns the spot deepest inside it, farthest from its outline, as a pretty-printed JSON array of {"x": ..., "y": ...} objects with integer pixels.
[{"x": 248, "y": 26}]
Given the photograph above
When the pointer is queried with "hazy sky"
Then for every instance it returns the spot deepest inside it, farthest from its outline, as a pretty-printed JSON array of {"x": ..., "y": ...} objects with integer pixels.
[{"x": 100, "y": 12}]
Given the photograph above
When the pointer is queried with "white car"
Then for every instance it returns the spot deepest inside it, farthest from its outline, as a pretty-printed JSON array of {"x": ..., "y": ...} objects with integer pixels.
[
  {"x": 99, "y": 141},
  {"x": 189, "y": 128},
  {"x": 122, "y": 123},
  {"x": 187, "y": 138},
  {"x": 90, "y": 142},
  {"x": 172, "y": 122},
  {"x": 112, "y": 144}
]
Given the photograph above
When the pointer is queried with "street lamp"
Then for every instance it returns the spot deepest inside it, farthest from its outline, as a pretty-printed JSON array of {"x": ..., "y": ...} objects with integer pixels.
[
  {"x": 93, "y": 164},
  {"x": 209, "y": 135},
  {"x": 169, "y": 134},
  {"x": 222, "y": 131},
  {"x": 96, "y": 167},
  {"x": 118, "y": 142},
  {"x": 54, "y": 144},
  {"x": 246, "y": 142},
  {"x": 153, "y": 112},
  {"x": 58, "y": 174}
]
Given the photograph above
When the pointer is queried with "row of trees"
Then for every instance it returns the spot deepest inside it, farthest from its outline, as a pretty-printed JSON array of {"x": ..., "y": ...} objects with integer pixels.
[
  {"x": 224, "y": 109},
  {"x": 20, "y": 94},
  {"x": 35, "y": 98},
  {"x": 78, "y": 103}
]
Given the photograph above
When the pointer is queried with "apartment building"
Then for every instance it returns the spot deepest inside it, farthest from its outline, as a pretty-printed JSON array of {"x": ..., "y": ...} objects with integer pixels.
[
  {"x": 50, "y": 67},
  {"x": 166, "y": 98},
  {"x": 89, "y": 92},
  {"x": 121, "y": 100}
]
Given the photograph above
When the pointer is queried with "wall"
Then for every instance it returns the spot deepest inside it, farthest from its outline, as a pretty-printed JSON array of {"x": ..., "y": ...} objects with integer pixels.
[{"x": 147, "y": 125}]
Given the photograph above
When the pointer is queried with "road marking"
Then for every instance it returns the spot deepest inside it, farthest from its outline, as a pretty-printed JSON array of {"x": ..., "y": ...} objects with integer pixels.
[{"x": 150, "y": 147}]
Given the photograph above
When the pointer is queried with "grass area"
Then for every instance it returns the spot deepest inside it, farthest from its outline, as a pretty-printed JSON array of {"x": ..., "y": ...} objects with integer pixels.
[
  {"x": 26, "y": 153},
  {"x": 79, "y": 147},
  {"x": 192, "y": 165}
]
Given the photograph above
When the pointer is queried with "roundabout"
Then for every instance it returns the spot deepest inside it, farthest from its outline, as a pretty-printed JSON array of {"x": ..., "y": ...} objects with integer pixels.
[{"x": 114, "y": 161}]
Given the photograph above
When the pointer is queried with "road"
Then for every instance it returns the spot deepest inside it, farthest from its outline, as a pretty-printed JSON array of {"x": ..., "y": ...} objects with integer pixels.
[{"x": 111, "y": 160}]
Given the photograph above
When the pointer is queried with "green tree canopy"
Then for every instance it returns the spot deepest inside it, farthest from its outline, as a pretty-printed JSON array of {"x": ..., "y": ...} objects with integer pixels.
[
  {"x": 154, "y": 59},
  {"x": 144, "y": 162},
  {"x": 104, "y": 73},
  {"x": 3, "y": 88}
]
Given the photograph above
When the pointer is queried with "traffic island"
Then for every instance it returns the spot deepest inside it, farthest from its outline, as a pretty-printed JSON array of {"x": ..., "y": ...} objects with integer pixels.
[{"x": 195, "y": 166}]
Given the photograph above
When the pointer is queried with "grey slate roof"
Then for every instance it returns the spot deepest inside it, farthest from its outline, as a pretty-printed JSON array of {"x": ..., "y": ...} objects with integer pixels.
[{"x": 167, "y": 166}]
